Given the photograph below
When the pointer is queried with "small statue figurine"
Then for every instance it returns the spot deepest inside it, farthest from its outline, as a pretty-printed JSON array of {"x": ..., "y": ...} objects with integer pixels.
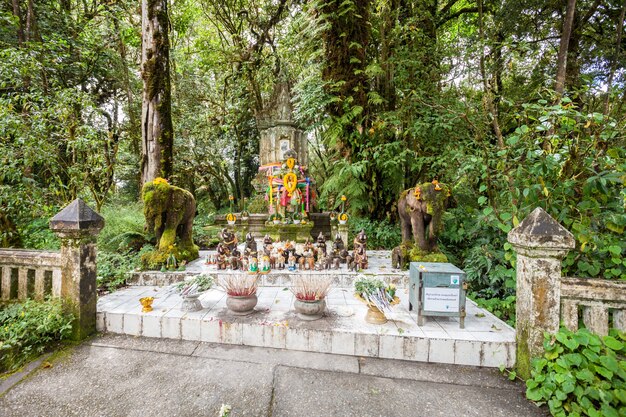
[
  {"x": 359, "y": 255},
  {"x": 280, "y": 258},
  {"x": 253, "y": 265},
  {"x": 250, "y": 248},
  {"x": 170, "y": 262},
  {"x": 309, "y": 259},
  {"x": 222, "y": 256},
  {"x": 273, "y": 257},
  {"x": 235, "y": 259},
  {"x": 290, "y": 250},
  {"x": 267, "y": 245},
  {"x": 321, "y": 244},
  {"x": 308, "y": 246},
  {"x": 359, "y": 260},
  {"x": 291, "y": 262},
  {"x": 339, "y": 250},
  {"x": 228, "y": 238},
  {"x": 323, "y": 261},
  {"x": 397, "y": 258},
  {"x": 264, "y": 265}
]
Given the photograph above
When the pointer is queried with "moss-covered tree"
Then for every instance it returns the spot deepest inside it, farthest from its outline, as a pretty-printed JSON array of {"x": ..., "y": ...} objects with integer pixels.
[
  {"x": 156, "y": 117},
  {"x": 346, "y": 38}
]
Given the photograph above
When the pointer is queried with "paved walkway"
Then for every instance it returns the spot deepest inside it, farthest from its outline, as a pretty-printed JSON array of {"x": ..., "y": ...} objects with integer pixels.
[{"x": 127, "y": 376}]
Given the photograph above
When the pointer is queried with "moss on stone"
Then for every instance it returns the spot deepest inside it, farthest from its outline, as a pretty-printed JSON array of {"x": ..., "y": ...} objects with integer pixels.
[
  {"x": 435, "y": 203},
  {"x": 169, "y": 213},
  {"x": 522, "y": 354},
  {"x": 411, "y": 253},
  {"x": 404, "y": 193},
  {"x": 294, "y": 232}
]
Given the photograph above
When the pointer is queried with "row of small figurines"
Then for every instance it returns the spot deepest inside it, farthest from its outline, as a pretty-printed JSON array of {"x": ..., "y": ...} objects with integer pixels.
[{"x": 288, "y": 255}]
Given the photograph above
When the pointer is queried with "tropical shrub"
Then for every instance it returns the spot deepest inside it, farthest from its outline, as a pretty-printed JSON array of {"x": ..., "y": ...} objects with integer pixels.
[
  {"x": 123, "y": 228},
  {"x": 30, "y": 327},
  {"x": 572, "y": 165},
  {"x": 114, "y": 267},
  {"x": 581, "y": 374},
  {"x": 380, "y": 234},
  {"x": 36, "y": 234}
]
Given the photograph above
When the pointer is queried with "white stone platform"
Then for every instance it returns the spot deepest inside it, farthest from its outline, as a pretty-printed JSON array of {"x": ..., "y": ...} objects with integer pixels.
[
  {"x": 379, "y": 265},
  {"x": 485, "y": 341}
]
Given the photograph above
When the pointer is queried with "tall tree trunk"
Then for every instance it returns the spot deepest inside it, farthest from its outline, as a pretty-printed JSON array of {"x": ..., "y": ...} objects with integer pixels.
[
  {"x": 615, "y": 60},
  {"x": 425, "y": 13},
  {"x": 346, "y": 41},
  {"x": 30, "y": 19},
  {"x": 489, "y": 99},
  {"x": 572, "y": 72},
  {"x": 128, "y": 91},
  {"x": 156, "y": 118},
  {"x": 387, "y": 87},
  {"x": 561, "y": 64},
  {"x": 20, "y": 28}
]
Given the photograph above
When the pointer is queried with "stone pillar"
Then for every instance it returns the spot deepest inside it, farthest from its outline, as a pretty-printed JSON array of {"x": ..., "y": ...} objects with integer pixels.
[
  {"x": 77, "y": 225},
  {"x": 541, "y": 243}
]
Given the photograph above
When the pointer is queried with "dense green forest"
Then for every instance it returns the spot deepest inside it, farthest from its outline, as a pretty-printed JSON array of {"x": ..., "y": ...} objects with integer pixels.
[{"x": 513, "y": 104}]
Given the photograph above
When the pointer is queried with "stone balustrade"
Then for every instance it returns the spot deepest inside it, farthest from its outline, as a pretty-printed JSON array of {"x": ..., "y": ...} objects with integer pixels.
[
  {"x": 545, "y": 299},
  {"x": 597, "y": 301},
  {"x": 69, "y": 274},
  {"x": 29, "y": 274}
]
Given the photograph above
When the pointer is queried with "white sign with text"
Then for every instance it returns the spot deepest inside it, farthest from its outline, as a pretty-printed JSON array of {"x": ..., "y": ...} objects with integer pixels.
[{"x": 441, "y": 299}]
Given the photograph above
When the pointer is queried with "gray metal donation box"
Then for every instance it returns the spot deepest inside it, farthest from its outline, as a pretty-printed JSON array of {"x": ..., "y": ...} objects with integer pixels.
[{"x": 437, "y": 289}]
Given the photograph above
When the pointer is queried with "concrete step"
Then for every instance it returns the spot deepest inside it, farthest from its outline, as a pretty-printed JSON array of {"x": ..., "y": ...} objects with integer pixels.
[{"x": 485, "y": 341}]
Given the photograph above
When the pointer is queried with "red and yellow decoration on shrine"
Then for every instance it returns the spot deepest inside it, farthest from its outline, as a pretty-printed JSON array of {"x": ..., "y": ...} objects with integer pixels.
[
  {"x": 343, "y": 216},
  {"x": 290, "y": 182},
  {"x": 230, "y": 217},
  {"x": 289, "y": 188}
]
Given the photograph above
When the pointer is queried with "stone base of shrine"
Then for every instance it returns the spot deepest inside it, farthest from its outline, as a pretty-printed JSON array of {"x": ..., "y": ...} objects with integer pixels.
[
  {"x": 256, "y": 225},
  {"x": 485, "y": 340},
  {"x": 379, "y": 265}
]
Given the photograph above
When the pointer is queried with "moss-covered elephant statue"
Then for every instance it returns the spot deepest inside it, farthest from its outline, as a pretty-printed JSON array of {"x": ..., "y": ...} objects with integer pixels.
[
  {"x": 169, "y": 213},
  {"x": 420, "y": 210}
]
